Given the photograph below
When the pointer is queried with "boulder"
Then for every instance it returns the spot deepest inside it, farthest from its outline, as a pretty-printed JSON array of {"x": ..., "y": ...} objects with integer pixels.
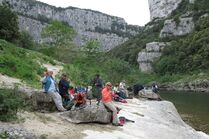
[
  {"x": 148, "y": 94},
  {"x": 89, "y": 114},
  {"x": 41, "y": 101}
]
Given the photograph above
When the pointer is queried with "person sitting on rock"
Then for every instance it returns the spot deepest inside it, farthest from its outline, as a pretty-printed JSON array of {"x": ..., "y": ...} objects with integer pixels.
[
  {"x": 123, "y": 89},
  {"x": 137, "y": 88},
  {"x": 107, "y": 101},
  {"x": 119, "y": 92},
  {"x": 155, "y": 88},
  {"x": 51, "y": 90},
  {"x": 80, "y": 96},
  {"x": 71, "y": 92}
]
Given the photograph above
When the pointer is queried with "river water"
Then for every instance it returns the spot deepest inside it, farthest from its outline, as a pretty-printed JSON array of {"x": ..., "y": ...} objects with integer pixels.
[{"x": 192, "y": 106}]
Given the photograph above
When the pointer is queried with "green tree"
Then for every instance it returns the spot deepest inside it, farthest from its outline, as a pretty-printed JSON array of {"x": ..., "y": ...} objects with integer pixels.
[
  {"x": 91, "y": 47},
  {"x": 9, "y": 29},
  {"x": 58, "y": 33},
  {"x": 25, "y": 40}
]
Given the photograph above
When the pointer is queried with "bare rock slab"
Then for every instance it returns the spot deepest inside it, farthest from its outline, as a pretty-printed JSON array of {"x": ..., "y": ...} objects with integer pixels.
[{"x": 90, "y": 114}]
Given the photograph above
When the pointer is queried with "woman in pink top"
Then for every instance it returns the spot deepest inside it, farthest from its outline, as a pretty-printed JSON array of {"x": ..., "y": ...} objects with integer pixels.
[{"x": 107, "y": 100}]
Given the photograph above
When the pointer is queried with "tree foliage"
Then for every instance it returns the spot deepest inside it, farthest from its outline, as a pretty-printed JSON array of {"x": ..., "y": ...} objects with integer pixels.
[
  {"x": 91, "y": 48},
  {"x": 9, "y": 29},
  {"x": 58, "y": 33},
  {"x": 25, "y": 40},
  {"x": 186, "y": 55}
]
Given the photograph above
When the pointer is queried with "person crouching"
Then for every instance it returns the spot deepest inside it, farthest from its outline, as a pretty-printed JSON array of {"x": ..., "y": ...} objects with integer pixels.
[{"x": 107, "y": 101}]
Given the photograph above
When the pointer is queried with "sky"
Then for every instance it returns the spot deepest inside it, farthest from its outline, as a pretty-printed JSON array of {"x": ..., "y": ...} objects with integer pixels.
[{"x": 134, "y": 12}]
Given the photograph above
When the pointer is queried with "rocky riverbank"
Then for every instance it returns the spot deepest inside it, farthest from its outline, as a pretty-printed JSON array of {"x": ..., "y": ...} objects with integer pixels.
[
  {"x": 153, "y": 119},
  {"x": 195, "y": 86}
]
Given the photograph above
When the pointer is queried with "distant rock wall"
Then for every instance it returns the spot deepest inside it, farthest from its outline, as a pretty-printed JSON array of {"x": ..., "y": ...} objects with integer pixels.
[
  {"x": 34, "y": 27},
  {"x": 171, "y": 28},
  {"x": 110, "y": 31},
  {"x": 149, "y": 55},
  {"x": 162, "y": 8}
]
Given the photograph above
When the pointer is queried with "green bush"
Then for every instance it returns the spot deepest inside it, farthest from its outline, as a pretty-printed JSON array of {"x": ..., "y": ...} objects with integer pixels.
[
  {"x": 25, "y": 41},
  {"x": 201, "y": 5},
  {"x": 185, "y": 55},
  {"x": 4, "y": 135},
  {"x": 9, "y": 29},
  {"x": 10, "y": 104}
]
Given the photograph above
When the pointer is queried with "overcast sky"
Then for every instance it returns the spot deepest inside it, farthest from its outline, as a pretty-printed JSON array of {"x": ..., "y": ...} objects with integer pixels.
[{"x": 135, "y": 12}]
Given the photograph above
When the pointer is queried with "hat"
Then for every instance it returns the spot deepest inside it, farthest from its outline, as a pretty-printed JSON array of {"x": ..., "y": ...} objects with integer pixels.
[{"x": 108, "y": 84}]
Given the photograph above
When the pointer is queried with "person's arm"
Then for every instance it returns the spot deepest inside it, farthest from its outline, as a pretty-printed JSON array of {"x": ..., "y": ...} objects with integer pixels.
[{"x": 44, "y": 79}]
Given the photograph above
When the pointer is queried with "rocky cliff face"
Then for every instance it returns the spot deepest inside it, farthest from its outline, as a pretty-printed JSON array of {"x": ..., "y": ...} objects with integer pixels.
[
  {"x": 181, "y": 25},
  {"x": 171, "y": 28},
  {"x": 110, "y": 31},
  {"x": 151, "y": 53},
  {"x": 162, "y": 8}
]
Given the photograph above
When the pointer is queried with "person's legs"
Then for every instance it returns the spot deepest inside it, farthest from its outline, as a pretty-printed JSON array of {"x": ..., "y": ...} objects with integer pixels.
[
  {"x": 99, "y": 95},
  {"x": 126, "y": 93},
  {"x": 111, "y": 106},
  {"x": 123, "y": 94},
  {"x": 57, "y": 100}
]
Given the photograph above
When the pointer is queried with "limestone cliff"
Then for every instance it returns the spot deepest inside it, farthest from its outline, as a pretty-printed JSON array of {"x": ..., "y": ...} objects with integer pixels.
[
  {"x": 162, "y": 8},
  {"x": 151, "y": 53},
  {"x": 173, "y": 25},
  {"x": 110, "y": 31}
]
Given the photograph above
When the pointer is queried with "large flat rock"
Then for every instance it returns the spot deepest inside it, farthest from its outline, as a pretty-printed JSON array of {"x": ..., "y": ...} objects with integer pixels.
[
  {"x": 90, "y": 114},
  {"x": 153, "y": 120}
]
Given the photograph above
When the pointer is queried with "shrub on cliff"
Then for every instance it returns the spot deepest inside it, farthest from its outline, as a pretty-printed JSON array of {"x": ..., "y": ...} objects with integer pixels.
[
  {"x": 9, "y": 29},
  {"x": 188, "y": 54},
  {"x": 58, "y": 34}
]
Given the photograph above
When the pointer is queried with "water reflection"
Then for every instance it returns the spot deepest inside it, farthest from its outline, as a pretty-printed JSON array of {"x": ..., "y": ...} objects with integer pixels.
[{"x": 193, "y": 107}]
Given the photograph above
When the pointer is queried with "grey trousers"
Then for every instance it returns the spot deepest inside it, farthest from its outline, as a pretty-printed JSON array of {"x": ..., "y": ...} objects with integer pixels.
[
  {"x": 111, "y": 106},
  {"x": 57, "y": 100}
]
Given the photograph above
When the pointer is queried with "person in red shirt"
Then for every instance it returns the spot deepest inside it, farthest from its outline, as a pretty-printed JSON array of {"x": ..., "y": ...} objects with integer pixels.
[{"x": 107, "y": 101}]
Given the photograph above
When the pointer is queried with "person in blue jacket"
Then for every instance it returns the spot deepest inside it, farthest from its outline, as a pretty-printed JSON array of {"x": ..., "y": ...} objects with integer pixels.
[{"x": 51, "y": 89}]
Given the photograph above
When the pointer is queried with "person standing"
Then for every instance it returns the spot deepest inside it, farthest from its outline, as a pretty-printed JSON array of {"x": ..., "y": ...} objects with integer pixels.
[
  {"x": 64, "y": 86},
  {"x": 98, "y": 85},
  {"x": 107, "y": 101},
  {"x": 51, "y": 89}
]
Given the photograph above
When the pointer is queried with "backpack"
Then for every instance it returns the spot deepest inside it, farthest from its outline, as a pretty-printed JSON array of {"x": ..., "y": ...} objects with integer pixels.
[
  {"x": 80, "y": 99},
  {"x": 123, "y": 120}
]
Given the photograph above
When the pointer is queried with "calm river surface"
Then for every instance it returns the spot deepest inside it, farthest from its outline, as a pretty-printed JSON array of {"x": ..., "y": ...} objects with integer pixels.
[{"x": 193, "y": 107}]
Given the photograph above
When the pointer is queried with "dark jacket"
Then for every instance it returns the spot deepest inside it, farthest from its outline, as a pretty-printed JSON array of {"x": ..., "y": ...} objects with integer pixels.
[
  {"x": 63, "y": 87},
  {"x": 98, "y": 82}
]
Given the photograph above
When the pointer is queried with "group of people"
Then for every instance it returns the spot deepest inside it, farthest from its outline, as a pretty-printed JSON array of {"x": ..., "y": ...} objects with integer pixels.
[{"x": 65, "y": 96}]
